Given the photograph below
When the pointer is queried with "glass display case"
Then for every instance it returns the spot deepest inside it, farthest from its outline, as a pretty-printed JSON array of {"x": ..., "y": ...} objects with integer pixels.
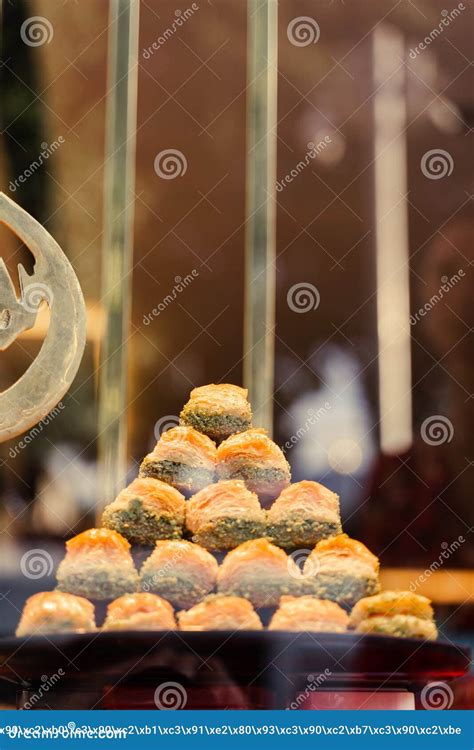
[{"x": 271, "y": 195}]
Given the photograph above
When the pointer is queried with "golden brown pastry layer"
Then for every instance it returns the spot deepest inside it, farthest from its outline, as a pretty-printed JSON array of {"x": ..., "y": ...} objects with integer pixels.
[
  {"x": 56, "y": 612},
  {"x": 182, "y": 457},
  {"x": 258, "y": 571},
  {"x": 341, "y": 569},
  {"x": 219, "y": 612},
  {"x": 303, "y": 514},
  {"x": 145, "y": 511},
  {"x": 224, "y": 515},
  {"x": 399, "y": 626},
  {"x": 179, "y": 571},
  {"x": 97, "y": 565},
  {"x": 218, "y": 410},
  {"x": 139, "y": 611},
  {"x": 399, "y": 613},
  {"x": 307, "y": 613},
  {"x": 253, "y": 457}
]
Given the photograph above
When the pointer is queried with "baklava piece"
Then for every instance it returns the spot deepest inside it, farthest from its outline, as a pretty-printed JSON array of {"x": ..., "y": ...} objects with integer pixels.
[
  {"x": 257, "y": 460},
  {"x": 218, "y": 612},
  {"x": 139, "y": 612},
  {"x": 182, "y": 457},
  {"x": 55, "y": 612},
  {"x": 145, "y": 511},
  {"x": 398, "y": 613},
  {"x": 224, "y": 515},
  {"x": 302, "y": 515},
  {"x": 98, "y": 565},
  {"x": 341, "y": 569},
  {"x": 307, "y": 613},
  {"x": 259, "y": 572},
  {"x": 179, "y": 571},
  {"x": 218, "y": 410}
]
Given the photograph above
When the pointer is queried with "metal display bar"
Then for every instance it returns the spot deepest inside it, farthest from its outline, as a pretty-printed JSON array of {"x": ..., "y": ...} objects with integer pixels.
[
  {"x": 391, "y": 241},
  {"x": 260, "y": 269},
  {"x": 117, "y": 242}
]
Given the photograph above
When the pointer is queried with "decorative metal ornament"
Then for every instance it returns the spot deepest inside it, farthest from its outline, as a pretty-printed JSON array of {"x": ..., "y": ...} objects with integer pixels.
[{"x": 48, "y": 378}]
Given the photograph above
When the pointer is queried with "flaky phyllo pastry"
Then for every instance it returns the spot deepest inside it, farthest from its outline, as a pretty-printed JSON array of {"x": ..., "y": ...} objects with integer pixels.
[
  {"x": 183, "y": 458},
  {"x": 218, "y": 410},
  {"x": 224, "y": 515},
  {"x": 98, "y": 565}
]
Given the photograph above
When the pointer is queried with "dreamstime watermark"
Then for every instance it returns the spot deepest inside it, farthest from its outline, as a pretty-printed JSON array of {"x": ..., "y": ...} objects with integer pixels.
[
  {"x": 36, "y": 563},
  {"x": 436, "y": 430},
  {"x": 46, "y": 150},
  {"x": 314, "y": 682},
  {"x": 303, "y": 297},
  {"x": 445, "y": 554},
  {"x": 300, "y": 565},
  {"x": 170, "y": 696},
  {"x": 181, "y": 283},
  {"x": 46, "y": 684},
  {"x": 437, "y": 696},
  {"x": 165, "y": 570},
  {"x": 436, "y": 164},
  {"x": 447, "y": 17},
  {"x": 313, "y": 418},
  {"x": 180, "y": 20},
  {"x": 448, "y": 282},
  {"x": 34, "y": 294},
  {"x": 35, "y": 431},
  {"x": 313, "y": 150},
  {"x": 170, "y": 163},
  {"x": 68, "y": 731},
  {"x": 164, "y": 424},
  {"x": 36, "y": 31},
  {"x": 303, "y": 31}
]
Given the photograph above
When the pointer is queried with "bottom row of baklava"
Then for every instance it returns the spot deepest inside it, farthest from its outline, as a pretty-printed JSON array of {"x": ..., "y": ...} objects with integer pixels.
[{"x": 396, "y": 613}]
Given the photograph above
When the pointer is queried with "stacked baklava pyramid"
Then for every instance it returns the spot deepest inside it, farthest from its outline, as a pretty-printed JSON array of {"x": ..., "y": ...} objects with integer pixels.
[{"x": 215, "y": 484}]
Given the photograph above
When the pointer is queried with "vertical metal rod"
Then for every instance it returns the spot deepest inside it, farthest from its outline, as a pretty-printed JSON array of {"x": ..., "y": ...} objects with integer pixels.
[
  {"x": 260, "y": 272},
  {"x": 392, "y": 243},
  {"x": 119, "y": 184}
]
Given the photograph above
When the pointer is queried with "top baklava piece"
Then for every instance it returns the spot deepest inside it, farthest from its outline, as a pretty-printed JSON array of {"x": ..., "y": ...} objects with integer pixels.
[{"x": 218, "y": 411}]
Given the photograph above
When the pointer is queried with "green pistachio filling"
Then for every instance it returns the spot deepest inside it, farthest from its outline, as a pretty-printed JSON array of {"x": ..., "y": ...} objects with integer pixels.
[
  {"x": 226, "y": 533},
  {"x": 105, "y": 583},
  {"x": 345, "y": 590},
  {"x": 216, "y": 426},
  {"x": 181, "y": 590},
  {"x": 262, "y": 593},
  {"x": 177, "y": 474},
  {"x": 140, "y": 525},
  {"x": 252, "y": 473},
  {"x": 297, "y": 532},
  {"x": 400, "y": 626}
]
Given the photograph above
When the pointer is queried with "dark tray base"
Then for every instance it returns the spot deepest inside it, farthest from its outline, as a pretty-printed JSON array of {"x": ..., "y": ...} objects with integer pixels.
[{"x": 217, "y": 669}]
